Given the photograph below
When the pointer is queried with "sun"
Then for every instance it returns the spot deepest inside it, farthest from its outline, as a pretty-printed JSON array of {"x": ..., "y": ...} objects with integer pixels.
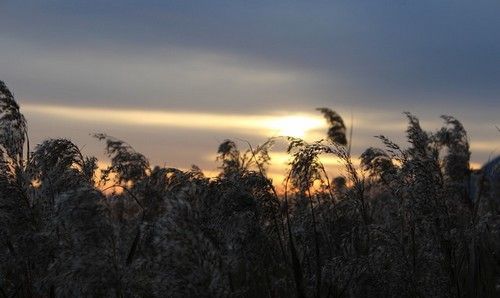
[{"x": 293, "y": 126}]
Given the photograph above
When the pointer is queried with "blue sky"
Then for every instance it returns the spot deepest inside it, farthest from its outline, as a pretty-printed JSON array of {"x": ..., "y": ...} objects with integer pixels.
[{"x": 374, "y": 59}]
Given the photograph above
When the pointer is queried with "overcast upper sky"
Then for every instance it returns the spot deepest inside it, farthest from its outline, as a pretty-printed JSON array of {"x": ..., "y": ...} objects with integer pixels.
[{"x": 373, "y": 59}]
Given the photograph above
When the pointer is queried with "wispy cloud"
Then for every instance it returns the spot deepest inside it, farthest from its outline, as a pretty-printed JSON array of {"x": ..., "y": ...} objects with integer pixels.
[{"x": 297, "y": 125}]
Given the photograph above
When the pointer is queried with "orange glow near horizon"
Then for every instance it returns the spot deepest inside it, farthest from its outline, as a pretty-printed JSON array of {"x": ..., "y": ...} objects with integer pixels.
[{"x": 277, "y": 170}]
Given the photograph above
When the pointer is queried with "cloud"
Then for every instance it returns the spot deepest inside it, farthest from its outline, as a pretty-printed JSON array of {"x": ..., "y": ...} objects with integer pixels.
[
  {"x": 368, "y": 53},
  {"x": 172, "y": 78}
]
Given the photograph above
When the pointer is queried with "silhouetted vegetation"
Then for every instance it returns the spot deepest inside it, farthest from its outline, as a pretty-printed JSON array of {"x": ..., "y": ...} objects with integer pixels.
[{"x": 410, "y": 221}]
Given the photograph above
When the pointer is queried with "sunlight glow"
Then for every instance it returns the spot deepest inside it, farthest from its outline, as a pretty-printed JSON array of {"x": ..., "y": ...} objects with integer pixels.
[{"x": 295, "y": 126}]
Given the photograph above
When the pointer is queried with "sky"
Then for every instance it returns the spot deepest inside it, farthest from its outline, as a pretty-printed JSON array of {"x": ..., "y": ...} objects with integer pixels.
[{"x": 176, "y": 78}]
